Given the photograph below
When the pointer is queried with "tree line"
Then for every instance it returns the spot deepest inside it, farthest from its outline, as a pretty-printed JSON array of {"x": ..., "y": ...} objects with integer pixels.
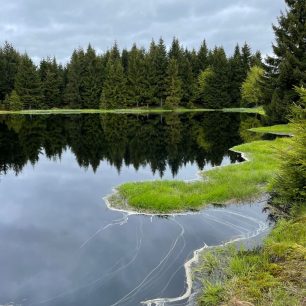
[{"x": 127, "y": 78}]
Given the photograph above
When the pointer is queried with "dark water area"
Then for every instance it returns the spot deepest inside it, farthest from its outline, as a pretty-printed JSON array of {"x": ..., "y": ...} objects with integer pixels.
[{"x": 61, "y": 245}]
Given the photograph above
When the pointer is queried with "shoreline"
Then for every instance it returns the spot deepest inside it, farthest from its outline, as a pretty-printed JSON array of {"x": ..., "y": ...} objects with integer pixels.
[
  {"x": 258, "y": 110},
  {"x": 188, "y": 266}
]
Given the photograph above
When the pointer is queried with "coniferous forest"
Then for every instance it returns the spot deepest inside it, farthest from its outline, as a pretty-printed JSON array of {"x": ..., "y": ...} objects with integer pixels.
[{"x": 129, "y": 78}]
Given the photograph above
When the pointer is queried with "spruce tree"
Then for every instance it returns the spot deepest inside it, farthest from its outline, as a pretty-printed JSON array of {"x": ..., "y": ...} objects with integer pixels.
[
  {"x": 246, "y": 55},
  {"x": 9, "y": 61},
  {"x": 236, "y": 76},
  {"x": 213, "y": 83},
  {"x": 136, "y": 76},
  {"x": 90, "y": 86},
  {"x": 125, "y": 60},
  {"x": 286, "y": 68},
  {"x": 202, "y": 57},
  {"x": 50, "y": 79},
  {"x": 173, "y": 82},
  {"x": 114, "y": 89},
  {"x": 72, "y": 96},
  {"x": 14, "y": 102},
  {"x": 157, "y": 69},
  {"x": 28, "y": 84}
]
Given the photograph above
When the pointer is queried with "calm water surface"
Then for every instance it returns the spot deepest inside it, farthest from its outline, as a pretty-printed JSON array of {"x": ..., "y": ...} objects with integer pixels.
[{"x": 61, "y": 245}]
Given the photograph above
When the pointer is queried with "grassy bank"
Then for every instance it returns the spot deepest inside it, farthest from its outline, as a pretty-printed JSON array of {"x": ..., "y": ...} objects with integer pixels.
[
  {"x": 272, "y": 275},
  {"x": 255, "y": 110},
  {"x": 125, "y": 111},
  {"x": 219, "y": 185},
  {"x": 281, "y": 129}
]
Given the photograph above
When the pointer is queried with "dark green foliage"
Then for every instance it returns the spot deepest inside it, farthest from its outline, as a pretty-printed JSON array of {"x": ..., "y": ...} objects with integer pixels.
[
  {"x": 131, "y": 78},
  {"x": 202, "y": 58},
  {"x": 72, "y": 97},
  {"x": 91, "y": 83},
  {"x": 114, "y": 90},
  {"x": 125, "y": 60},
  {"x": 213, "y": 90},
  {"x": 50, "y": 76},
  {"x": 246, "y": 59},
  {"x": 173, "y": 82},
  {"x": 13, "y": 101},
  {"x": 290, "y": 184},
  {"x": 28, "y": 84},
  {"x": 136, "y": 74},
  {"x": 157, "y": 68},
  {"x": 287, "y": 67},
  {"x": 9, "y": 61},
  {"x": 237, "y": 76},
  {"x": 256, "y": 59}
]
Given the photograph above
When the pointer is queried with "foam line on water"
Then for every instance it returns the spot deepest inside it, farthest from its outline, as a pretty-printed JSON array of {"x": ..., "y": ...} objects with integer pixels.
[{"x": 195, "y": 259}]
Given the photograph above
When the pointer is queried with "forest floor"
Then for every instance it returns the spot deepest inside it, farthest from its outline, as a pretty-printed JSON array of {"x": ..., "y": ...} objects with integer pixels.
[
  {"x": 220, "y": 185},
  {"x": 144, "y": 110}
]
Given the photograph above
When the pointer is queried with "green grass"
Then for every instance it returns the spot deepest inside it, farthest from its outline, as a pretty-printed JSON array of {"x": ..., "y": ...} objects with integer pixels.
[
  {"x": 273, "y": 275},
  {"x": 122, "y": 111},
  {"x": 255, "y": 110},
  {"x": 220, "y": 185},
  {"x": 281, "y": 129}
]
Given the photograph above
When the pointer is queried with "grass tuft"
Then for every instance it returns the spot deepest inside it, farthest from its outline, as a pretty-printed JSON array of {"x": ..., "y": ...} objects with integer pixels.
[{"x": 273, "y": 275}]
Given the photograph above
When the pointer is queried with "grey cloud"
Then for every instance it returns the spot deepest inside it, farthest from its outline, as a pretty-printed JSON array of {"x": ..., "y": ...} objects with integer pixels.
[{"x": 47, "y": 28}]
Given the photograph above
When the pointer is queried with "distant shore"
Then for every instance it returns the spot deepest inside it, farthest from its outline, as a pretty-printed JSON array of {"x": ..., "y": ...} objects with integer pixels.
[{"x": 144, "y": 110}]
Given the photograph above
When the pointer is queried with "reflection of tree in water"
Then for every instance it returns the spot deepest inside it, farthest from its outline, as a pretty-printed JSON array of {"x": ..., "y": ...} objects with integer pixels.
[
  {"x": 249, "y": 122},
  {"x": 138, "y": 140}
]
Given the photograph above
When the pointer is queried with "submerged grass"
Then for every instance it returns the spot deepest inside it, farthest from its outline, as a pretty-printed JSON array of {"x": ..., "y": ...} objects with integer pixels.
[
  {"x": 220, "y": 185},
  {"x": 143, "y": 110},
  {"x": 273, "y": 275}
]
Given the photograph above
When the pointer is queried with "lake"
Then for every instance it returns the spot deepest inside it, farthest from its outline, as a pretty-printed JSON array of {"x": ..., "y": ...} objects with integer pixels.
[{"x": 61, "y": 245}]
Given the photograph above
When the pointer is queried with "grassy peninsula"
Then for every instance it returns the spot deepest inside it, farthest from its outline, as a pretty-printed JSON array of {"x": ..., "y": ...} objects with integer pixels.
[{"x": 219, "y": 185}]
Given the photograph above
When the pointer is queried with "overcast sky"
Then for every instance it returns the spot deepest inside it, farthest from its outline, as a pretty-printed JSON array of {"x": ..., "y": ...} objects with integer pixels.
[{"x": 55, "y": 27}]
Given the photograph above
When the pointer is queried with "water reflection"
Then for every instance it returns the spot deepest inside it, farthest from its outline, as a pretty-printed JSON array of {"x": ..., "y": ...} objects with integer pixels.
[
  {"x": 157, "y": 140},
  {"x": 60, "y": 245}
]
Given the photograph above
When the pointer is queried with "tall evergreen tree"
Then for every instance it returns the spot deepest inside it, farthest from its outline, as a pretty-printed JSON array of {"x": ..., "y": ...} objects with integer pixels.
[
  {"x": 236, "y": 76},
  {"x": 28, "y": 84},
  {"x": 173, "y": 82},
  {"x": 14, "y": 102},
  {"x": 91, "y": 82},
  {"x": 213, "y": 84},
  {"x": 246, "y": 55},
  {"x": 50, "y": 79},
  {"x": 157, "y": 69},
  {"x": 202, "y": 57},
  {"x": 9, "y": 61},
  {"x": 136, "y": 76},
  {"x": 125, "y": 60},
  {"x": 287, "y": 67},
  {"x": 72, "y": 96},
  {"x": 114, "y": 90}
]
